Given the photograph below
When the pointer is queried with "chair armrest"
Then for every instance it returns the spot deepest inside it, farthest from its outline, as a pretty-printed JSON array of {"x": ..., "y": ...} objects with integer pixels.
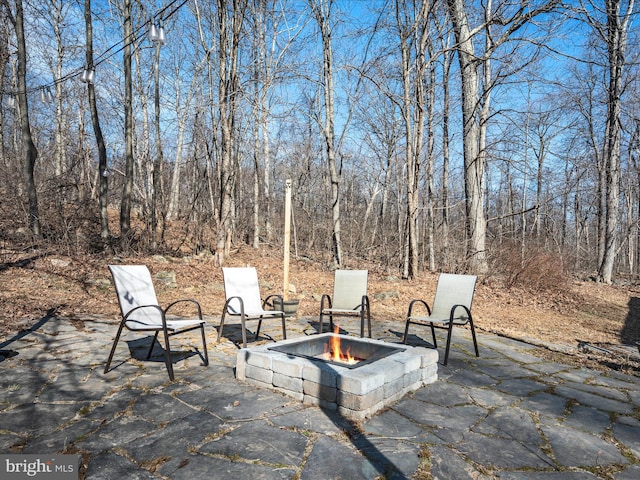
[
  {"x": 453, "y": 312},
  {"x": 125, "y": 318},
  {"x": 186, "y": 300},
  {"x": 418, "y": 302},
  {"x": 231, "y": 312},
  {"x": 325, "y": 297},
  {"x": 365, "y": 302},
  {"x": 265, "y": 302}
]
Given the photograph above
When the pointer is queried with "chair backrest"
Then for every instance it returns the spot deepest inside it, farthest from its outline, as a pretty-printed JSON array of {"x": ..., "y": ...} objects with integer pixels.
[
  {"x": 242, "y": 282},
  {"x": 453, "y": 289},
  {"x": 348, "y": 288},
  {"x": 134, "y": 287}
]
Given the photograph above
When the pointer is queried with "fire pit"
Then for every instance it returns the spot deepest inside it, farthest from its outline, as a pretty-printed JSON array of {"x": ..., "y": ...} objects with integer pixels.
[
  {"x": 338, "y": 350},
  {"x": 356, "y": 376}
]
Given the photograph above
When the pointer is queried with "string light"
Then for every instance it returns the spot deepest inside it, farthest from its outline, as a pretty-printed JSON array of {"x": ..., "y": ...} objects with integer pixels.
[
  {"x": 157, "y": 35},
  {"x": 45, "y": 95},
  {"x": 88, "y": 75}
]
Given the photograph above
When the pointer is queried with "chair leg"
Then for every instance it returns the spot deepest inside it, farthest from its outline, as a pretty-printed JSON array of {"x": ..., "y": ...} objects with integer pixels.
[
  {"x": 406, "y": 331},
  {"x": 433, "y": 335},
  {"x": 167, "y": 355},
  {"x": 362, "y": 318},
  {"x": 473, "y": 334},
  {"x": 113, "y": 348},
  {"x": 284, "y": 327},
  {"x": 221, "y": 325},
  {"x": 320, "y": 322},
  {"x": 153, "y": 343},
  {"x": 244, "y": 331},
  {"x": 204, "y": 346},
  {"x": 258, "y": 329},
  {"x": 446, "y": 353}
]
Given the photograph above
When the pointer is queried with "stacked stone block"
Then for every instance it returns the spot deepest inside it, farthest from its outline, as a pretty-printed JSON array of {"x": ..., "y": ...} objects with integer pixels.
[{"x": 356, "y": 393}]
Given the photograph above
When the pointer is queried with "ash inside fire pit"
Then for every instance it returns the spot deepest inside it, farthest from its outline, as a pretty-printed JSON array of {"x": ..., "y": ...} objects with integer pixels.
[{"x": 338, "y": 350}]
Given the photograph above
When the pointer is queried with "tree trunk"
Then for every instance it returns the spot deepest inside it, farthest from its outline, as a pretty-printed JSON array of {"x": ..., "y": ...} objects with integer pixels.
[
  {"x": 430, "y": 209},
  {"x": 446, "y": 106},
  {"x": 31, "y": 152},
  {"x": 156, "y": 190},
  {"x": 322, "y": 11},
  {"x": 127, "y": 191},
  {"x": 61, "y": 142},
  {"x": 95, "y": 120},
  {"x": 473, "y": 160},
  {"x": 230, "y": 28},
  {"x": 616, "y": 46},
  {"x": 413, "y": 31},
  {"x": 143, "y": 163},
  {"x": 4, "y": 62}
]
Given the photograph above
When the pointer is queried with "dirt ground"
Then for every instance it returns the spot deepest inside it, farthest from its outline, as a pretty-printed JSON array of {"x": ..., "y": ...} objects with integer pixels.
[{"x": 583, "y": 313}]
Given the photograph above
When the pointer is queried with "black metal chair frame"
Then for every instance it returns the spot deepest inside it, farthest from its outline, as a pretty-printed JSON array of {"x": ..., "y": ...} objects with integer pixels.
[
  {"x": 444, "y": 325},
  {"x": 363, "y": 309},
  {"x": 244, "y": 317},
  {"x": 166, "y": 334}
]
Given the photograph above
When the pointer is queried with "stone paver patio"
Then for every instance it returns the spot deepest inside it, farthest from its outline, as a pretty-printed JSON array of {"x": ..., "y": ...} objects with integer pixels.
[{"x": 508, "y": 414}]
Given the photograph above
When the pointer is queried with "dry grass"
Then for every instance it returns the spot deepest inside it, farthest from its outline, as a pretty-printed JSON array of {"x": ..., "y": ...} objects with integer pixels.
[{"x": 580, "y": 311}]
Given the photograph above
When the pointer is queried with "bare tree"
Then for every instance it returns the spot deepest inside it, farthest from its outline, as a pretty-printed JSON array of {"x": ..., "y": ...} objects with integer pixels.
[
  {"x": 476, "y": 102},
  {"x": 182, "y": 112},
  {"x": 156, "y": 193},
  {"x": 97, "y": 129},
  {"x": 613, "y": 31},
  {"x": 446, "y": 108},
  {"x": 127, "y": 192},
  {"x": 59, "y": 11},
  {"x": 272, "y": 38},
  {"x": 230, "y": 23},
  {"x": 321, "y": 10},
  {"x": 413, "y": 35},
  {"x": 4, "y": 63},
  {"x": 30, "y": 150}
]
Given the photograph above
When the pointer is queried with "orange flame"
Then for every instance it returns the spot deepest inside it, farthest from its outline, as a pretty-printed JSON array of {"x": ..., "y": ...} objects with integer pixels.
[{"x": 335, "y": 350}]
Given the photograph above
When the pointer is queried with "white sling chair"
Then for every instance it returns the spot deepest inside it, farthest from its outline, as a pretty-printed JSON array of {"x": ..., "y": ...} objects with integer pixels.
[
  {"x": 349, "y": 298},
  {"x": 242, "y": 292},
  {"x": 142, "y": 313},
  {"x": 451, "y": 306}
]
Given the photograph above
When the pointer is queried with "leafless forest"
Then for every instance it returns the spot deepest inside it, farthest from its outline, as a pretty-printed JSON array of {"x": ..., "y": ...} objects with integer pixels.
[{"x": 495, "y": 137}]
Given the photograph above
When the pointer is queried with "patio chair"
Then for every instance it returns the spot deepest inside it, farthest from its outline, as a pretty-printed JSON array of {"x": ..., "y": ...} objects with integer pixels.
[
  {"x": 451, "y": 306},
  {"x": 141, "y": 312},
  {"x": 243, "y": 300},
  {"x": 349, "y": 298}
]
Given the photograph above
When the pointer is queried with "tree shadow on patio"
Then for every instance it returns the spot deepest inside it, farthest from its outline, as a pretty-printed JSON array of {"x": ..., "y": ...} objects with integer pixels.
[{"x": 630, "y": 332}]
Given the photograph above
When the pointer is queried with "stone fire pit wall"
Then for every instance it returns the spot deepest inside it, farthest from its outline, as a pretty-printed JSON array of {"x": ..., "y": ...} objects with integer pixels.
[{"x": 356, "y": 393}]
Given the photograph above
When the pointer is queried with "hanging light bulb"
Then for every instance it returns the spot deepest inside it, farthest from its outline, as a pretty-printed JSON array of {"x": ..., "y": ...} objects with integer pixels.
[
  {"x": 88, "y": 75},
  {"x": 45, "y": 95},
  {"x": 153, "y": 33},
  {"x": 157, "y": 35},
  {"x": 162, "y": 39}
]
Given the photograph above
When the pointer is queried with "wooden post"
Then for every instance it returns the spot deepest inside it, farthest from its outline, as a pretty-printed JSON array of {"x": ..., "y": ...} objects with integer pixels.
[{"x": 287, "y": 238}]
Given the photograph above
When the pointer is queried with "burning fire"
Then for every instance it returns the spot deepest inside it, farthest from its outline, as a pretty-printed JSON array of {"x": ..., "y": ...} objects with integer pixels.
[{"x": 335, "y": 350}]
